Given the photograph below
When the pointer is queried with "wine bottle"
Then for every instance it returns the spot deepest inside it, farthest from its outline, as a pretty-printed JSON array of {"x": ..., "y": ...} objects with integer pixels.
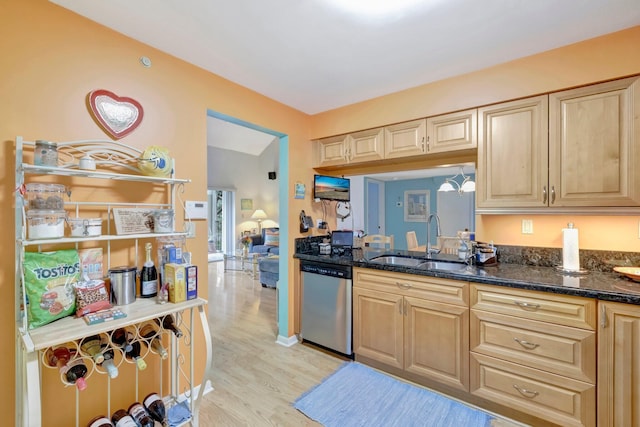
[
  {"x": 121, "y": 338},
  {"x": 134, "y": 355},
  {"x": 121, "y": 418},
  {"x": 59, "y": 357},
  {"x": 140, "y": 415},
  {"x": 108, "y": 363},
  {"x": 100, "y": 421},
  {"x": 92, "y": 346},
  {"x": 152, "y": 338},
  {"x": 148, "y": 276},
  {"x": 76, "y": 372},
  {"x": 169, "y": 324},
  {"x": 155, "y": 407}
]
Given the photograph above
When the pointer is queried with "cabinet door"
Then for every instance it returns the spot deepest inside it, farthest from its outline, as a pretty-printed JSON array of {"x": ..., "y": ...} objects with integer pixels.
[
  {"x": 437, "y": 342},
  {"x": 331, "y": 151},
  {"x": 450, "y": 132},
  {"x": 619, "y": 365},
  {"x": 377, "y": 326},
  {"x": 594, "y": 134},
  {"x": 405, "y": 139},
  {"x": 513, "y": 154},
  {"x": 365, "y": 146}
]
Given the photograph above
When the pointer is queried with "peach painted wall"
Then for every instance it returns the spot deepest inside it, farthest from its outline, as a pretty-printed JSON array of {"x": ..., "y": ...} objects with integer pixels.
[
  {"x": 51, "y": 60},
  {"x": 611, "y": 56}
]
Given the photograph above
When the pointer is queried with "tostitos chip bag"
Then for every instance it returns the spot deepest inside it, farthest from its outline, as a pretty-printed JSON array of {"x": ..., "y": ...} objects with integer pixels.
[{"x": 49, "y": 283}]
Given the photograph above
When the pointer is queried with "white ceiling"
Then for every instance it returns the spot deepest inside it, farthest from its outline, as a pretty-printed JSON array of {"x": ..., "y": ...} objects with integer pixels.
[{"x": 313, "y": 56}]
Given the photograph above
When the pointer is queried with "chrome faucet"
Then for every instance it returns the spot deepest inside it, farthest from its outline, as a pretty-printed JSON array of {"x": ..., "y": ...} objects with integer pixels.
[{"x": 430, "y": 250}]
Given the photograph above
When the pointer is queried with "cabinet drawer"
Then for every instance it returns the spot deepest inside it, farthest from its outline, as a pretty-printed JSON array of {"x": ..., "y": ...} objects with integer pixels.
[
  {"x": 558, "y": 349},
  {"x": 431, "y": 288},
  {"x": 543, "y": 306},
  {"x": 551, "y": 397}
]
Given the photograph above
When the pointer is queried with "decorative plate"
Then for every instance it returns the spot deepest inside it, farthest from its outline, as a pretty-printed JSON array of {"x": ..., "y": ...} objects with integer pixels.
[
  {"x": 632, "y": 273},
  {"x": 118, "y": 116}
]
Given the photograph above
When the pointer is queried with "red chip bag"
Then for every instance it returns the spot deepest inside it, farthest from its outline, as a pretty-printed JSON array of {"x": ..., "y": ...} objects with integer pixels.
[{"x": 91, "y": 296}]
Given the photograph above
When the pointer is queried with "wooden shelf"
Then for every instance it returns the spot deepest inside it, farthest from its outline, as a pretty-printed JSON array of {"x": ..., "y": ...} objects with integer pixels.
[{"x": 72, "y": 328}]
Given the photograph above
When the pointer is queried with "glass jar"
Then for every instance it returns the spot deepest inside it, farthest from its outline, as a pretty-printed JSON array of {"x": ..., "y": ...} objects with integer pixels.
[{"x": 46, "y": 153}]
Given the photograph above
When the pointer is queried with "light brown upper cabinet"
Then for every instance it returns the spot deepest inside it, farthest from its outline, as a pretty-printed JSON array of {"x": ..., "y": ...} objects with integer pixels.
[
  {"x": 513, "y": 154},
  {"x": 363, "y": 146},
  {"x": 588, "y": 159},
  {"x": 594, "y": 145},
  {"x": 405, "y": 139},
  {"x": 450, "y": 132}
]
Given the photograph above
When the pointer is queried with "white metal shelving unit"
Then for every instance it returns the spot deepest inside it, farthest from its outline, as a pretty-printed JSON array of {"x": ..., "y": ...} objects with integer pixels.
[{"x": 31, "y": 344}]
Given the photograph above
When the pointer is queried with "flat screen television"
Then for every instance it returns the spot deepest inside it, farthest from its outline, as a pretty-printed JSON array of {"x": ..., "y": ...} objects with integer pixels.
[{"x": 331, "y": 188}]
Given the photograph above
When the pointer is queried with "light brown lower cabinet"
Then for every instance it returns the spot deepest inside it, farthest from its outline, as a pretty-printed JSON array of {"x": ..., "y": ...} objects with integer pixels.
[
  {"x": 398, "y": 318},
  {"x": 618, "y": 365},
  {"x": 554, "y": 398},
  {"x": 561, "y": 359}
]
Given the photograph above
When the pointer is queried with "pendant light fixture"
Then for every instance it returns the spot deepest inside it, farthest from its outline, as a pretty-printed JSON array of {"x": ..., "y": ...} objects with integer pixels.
[{"x": 465, "y": 186}]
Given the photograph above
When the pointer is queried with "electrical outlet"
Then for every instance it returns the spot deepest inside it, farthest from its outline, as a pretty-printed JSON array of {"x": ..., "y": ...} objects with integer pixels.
[
  {"x": 527, "y": 226},
  {"x": 190, "y": 229}
]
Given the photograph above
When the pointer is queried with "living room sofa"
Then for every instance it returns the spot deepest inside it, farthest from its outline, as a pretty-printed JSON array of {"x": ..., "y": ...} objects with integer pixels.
[
  {"x": 268, "y": 242},
  {"x": 267, "y": 246}
]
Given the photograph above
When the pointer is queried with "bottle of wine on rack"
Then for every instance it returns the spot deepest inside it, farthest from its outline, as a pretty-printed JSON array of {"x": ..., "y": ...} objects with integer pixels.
[
  {"x": 148, "y": 276},
  {"x": 121, "y": 338},
  {"x": 151, "y": 336},
  {"x": 134, "y": 355},
  {"x": 140, "y": 415},
  {"x": 169, "y": 323},
  {"x": 155, "y": 407},
  {"x": 92, "y": 346},
  {"x": 100, "y": 421},
  {"x": 59, "y": 356},
  {"x": 76, "y": 373},
  {"x": 108, "y": 363},
  {"x": 121, "y": 418}
]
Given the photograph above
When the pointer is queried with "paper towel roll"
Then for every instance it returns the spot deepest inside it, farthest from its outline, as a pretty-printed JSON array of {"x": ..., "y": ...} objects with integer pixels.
[{"x": 570, "y": 251}]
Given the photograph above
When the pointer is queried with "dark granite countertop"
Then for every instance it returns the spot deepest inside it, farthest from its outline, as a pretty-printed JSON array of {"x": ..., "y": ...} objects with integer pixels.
[{"x": 604, "y": 286}]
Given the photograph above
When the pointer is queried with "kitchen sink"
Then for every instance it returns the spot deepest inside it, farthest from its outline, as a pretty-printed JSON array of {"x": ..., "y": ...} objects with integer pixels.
[
  {"x": 442, "y": 266},
  {"x": 397, "y": 260}
]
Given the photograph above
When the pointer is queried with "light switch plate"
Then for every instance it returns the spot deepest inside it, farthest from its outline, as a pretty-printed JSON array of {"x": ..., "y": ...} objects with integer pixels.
[
  {"x": 527, "y": 226},
  {"x": 196, "y": 210}
]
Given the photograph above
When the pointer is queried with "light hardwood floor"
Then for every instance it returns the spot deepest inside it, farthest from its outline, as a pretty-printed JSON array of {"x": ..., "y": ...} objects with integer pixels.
[{"x": 255, "y": 379}]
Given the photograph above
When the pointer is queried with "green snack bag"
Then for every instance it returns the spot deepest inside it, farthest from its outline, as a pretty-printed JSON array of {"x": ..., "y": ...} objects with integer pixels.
[{"x": 49, "y": 283}]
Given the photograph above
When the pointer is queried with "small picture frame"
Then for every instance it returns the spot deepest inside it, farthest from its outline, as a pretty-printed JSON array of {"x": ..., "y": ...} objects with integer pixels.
[
  {"x": 246, "y": 204},
  {"x": 416, "y": 205}
]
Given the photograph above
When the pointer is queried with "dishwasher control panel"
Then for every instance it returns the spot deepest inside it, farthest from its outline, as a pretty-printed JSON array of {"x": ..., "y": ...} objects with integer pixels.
[{"x": 341, "y": 271}]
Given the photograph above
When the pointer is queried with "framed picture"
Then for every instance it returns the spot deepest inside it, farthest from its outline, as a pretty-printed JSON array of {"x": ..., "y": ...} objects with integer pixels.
[
  {"x": 246, "y": 204},
  {"x": 416, "y": 205}
]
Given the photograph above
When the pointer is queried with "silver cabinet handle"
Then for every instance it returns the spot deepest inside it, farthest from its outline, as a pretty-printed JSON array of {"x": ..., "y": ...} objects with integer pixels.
[
  {"x": 526, "y": 393},
  {"x": 403, "y": 285},
  {"x": 527, "y": 305},
  {"x": 553, "y": 194},
  {"x": 423, "y": 144},
  {"x": 405, "y": 307},
  {"x": 526, "y": 344},
  {"x": 544, "y": 195},
  {"x": 400, "y": 307}
]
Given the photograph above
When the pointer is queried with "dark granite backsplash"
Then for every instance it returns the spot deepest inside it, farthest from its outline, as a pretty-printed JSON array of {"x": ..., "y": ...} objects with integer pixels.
[{"x": 591, "y": 260}]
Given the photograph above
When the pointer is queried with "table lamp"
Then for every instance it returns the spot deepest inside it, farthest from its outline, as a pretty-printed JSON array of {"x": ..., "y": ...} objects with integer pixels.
[{"x": 259, "y": 215}]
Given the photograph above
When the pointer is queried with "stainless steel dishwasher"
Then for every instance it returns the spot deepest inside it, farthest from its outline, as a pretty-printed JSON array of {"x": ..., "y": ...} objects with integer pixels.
[{"x": 326, "y": 311}]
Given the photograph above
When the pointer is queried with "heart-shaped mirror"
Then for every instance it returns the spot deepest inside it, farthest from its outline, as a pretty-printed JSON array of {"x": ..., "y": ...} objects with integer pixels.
[{"x": 118, "y": 116}]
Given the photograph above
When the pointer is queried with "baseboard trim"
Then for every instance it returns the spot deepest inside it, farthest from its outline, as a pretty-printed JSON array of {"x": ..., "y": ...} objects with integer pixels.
[
  {"x": 287, "y": 342},
  {"x": 207, "y": 389}
]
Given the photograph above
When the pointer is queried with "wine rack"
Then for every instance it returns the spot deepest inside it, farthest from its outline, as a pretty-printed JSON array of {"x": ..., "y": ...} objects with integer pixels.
[{"x": 33, "y": 346}]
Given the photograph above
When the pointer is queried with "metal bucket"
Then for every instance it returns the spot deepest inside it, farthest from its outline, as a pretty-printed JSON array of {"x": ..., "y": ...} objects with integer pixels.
[{"x": 123, "y": 285}]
